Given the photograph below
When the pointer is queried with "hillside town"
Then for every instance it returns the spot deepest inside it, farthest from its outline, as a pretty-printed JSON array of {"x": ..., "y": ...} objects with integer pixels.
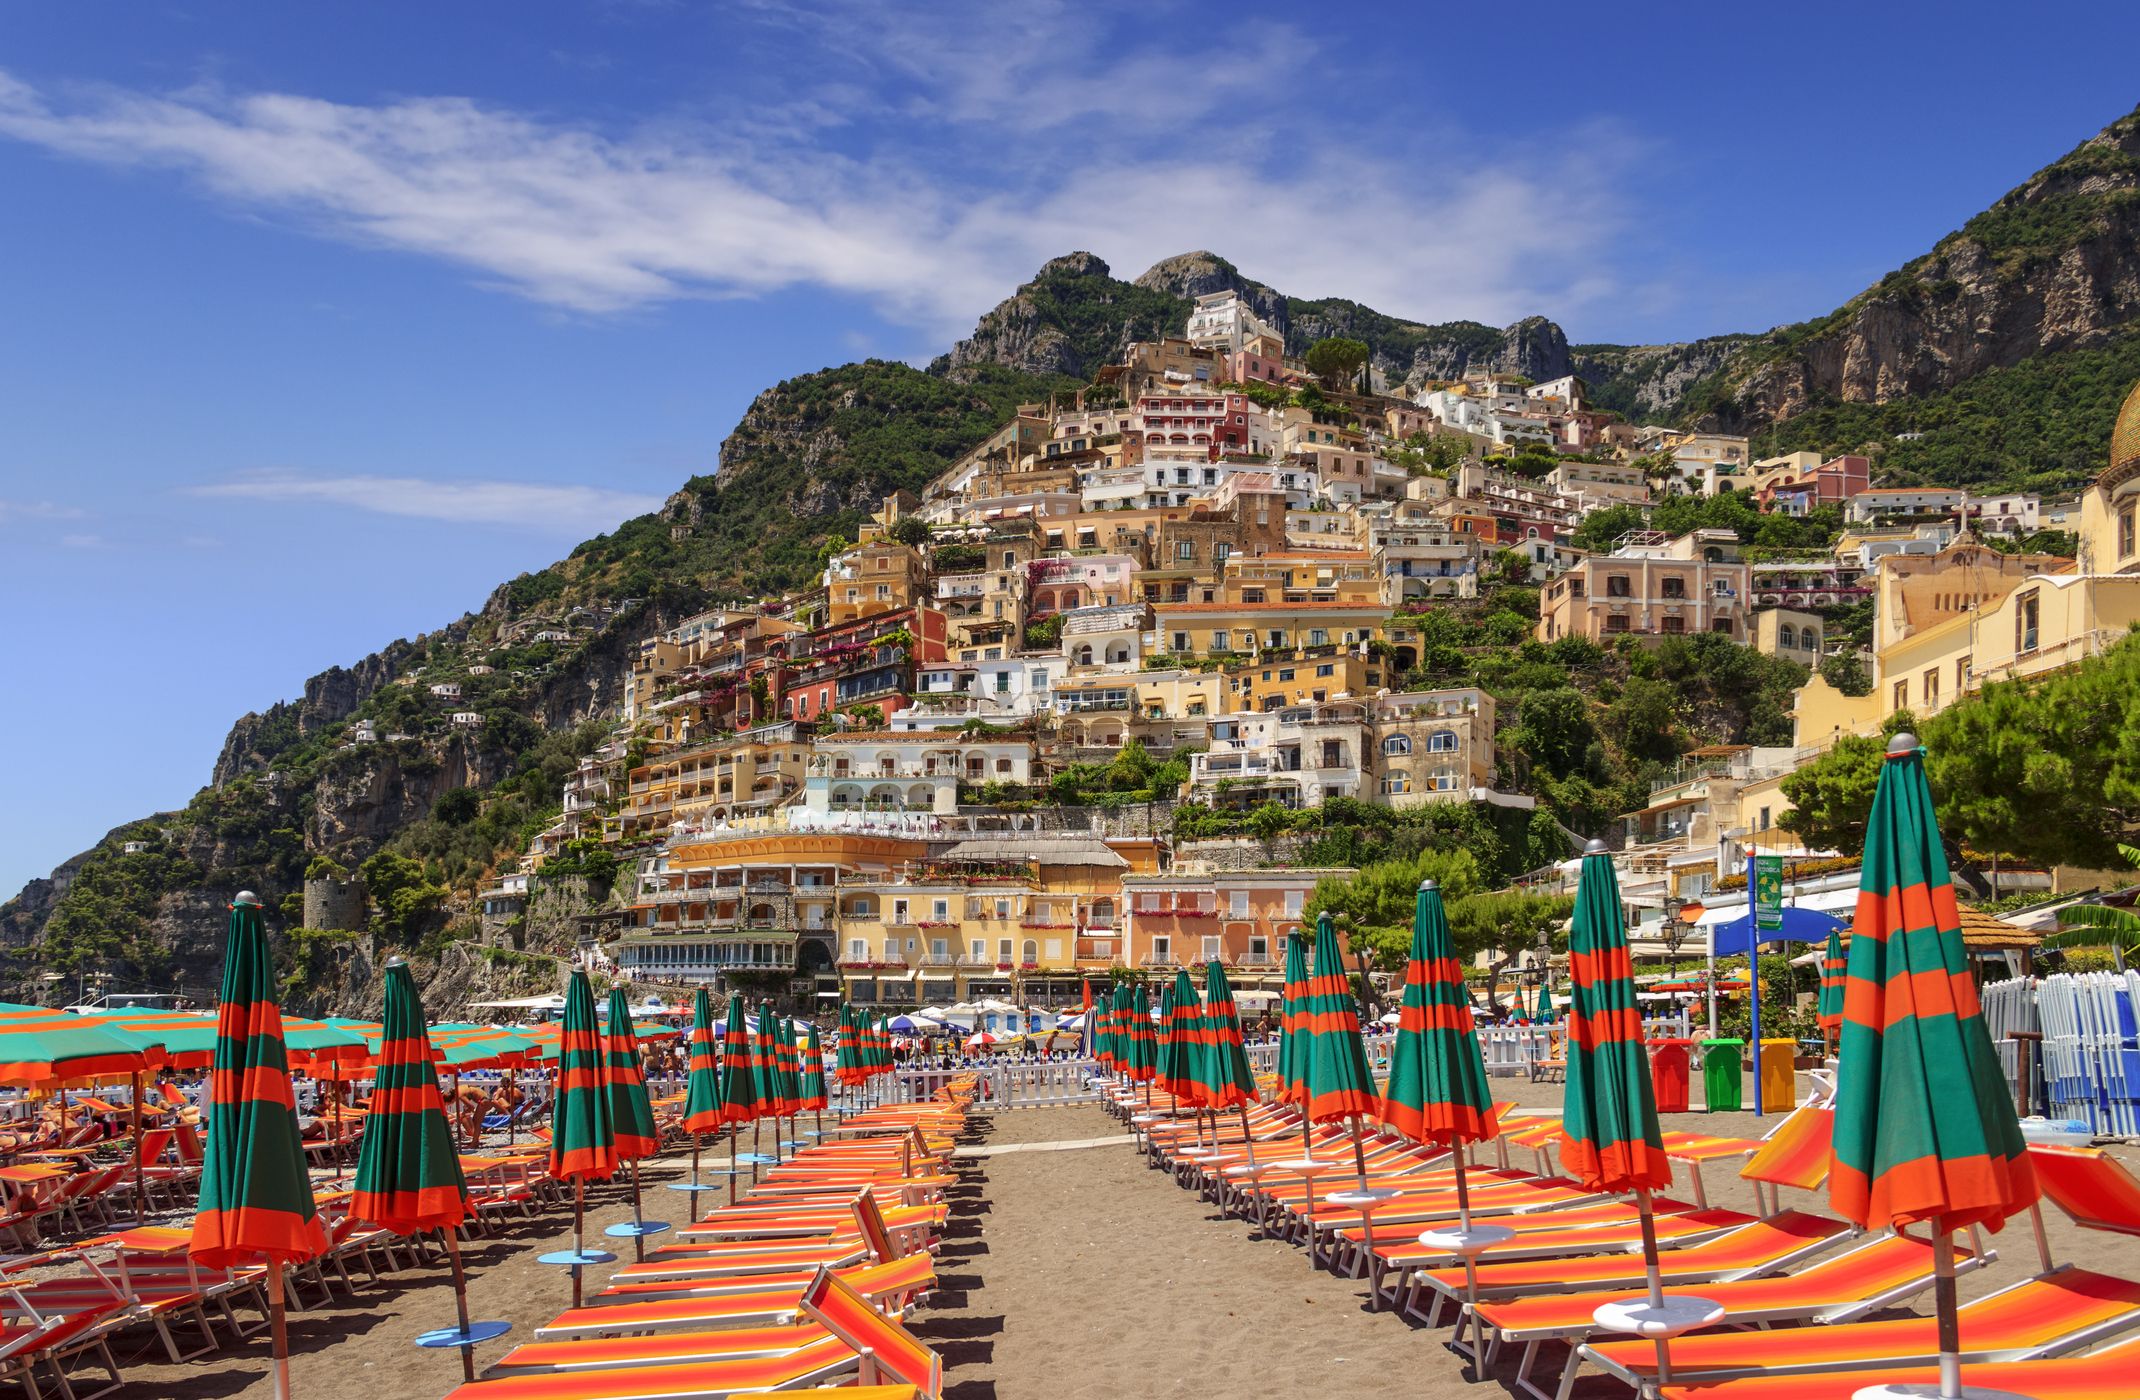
[{"x": 1197, "y": 600}]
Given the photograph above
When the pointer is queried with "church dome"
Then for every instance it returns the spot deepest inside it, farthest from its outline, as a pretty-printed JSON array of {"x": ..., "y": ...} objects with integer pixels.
[{"x": 2125, "y": 441}]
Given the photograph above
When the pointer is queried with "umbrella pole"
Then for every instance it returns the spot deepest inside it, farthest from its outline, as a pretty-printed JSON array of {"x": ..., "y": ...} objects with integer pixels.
[
  {"x": 579, "y": 1211},
  {"x": 732, "y": 1130},
  {"x": 1359, "y": 1157},
  {"x": 694, "y": 1178},
  {"x": 1655, "y": 1279},
  {"x": 278, "y": 1330},
  {"x": 334, "y": 1087},
  {"x": 1950, "y": 1339},
  {"x": 460, "y": 1299},
  {"x": 638, "y": 1240},
  {"x": 1307, "y": 1154},
  {"x": 141, "y": 1195},
  {"x": 1463, "y": 1225}
]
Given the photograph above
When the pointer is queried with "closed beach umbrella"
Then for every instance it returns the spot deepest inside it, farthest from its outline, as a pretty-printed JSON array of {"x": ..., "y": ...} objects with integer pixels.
[
  {"x": 790, "y": 1067},
  {"x": 582, "y": 1137},
  {"x": 1340, "y": 1085},
  {"x": 1610, "y": 1140},
  {"x": 408, "y": 1169},
  {"x": 1544, "y": 1014},
  {"x": 1183, "y": 1056},
  {"x": 738, "y": 1100},
  {"x": 1147, "y": 1043},
  {"x": 1438, "y": 1091},
  {"x": 1102, "y": 1022},
  {"x": 255, "y": 1194},
  {"x": 702, "y": 1082},
  {"x": 1227, "y": 1080},
  {"x": 631, "y": 1113},
  {"x": 1834, "y": 977},
  {"x": 1292, "y": 1037},
  {"x": 1924, "y": 1128},
  {"x": 765, "y": 1064},
  {"x": 814, "y": 1096},
  {"x": 847, "y": 1062}
]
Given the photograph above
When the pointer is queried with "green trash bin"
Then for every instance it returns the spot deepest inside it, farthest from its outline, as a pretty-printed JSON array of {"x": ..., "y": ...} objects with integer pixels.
[{"x": 1721, "y": 1077}]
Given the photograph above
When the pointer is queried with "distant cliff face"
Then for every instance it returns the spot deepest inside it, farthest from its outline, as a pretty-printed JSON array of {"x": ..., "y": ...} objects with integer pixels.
[{"x": 1070, "y": 319}]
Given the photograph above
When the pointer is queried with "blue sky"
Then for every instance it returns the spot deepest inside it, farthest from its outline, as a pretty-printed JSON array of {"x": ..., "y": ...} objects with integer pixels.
[{"x": 322, "y": 321}]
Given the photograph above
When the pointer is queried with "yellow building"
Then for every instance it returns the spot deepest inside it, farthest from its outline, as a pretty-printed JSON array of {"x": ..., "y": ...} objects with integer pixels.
[{"x": 1987, "y": 617}]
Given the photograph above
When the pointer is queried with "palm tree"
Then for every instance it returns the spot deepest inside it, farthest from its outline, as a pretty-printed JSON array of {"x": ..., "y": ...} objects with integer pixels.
[{"x": 2099, "y": 926}]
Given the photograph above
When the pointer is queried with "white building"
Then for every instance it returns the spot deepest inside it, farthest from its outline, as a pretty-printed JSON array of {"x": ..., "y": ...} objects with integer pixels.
[{"x": 920, "y": 772}]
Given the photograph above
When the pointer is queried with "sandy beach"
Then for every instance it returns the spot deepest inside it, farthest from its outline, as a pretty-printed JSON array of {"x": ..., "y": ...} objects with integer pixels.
[{"x": 1064, "y": 1274}]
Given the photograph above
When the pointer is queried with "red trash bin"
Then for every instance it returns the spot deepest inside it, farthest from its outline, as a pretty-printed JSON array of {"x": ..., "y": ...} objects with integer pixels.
[{"x": 1668, "y": 1072}]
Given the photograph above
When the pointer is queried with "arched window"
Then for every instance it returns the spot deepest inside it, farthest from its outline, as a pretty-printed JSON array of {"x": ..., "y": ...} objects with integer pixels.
[
  {"x": 1103, "y": 913},
  {"x": 1396, "y": 780},
  {"x": 1117, "y": 652},
  {"x": 1810, "y": 639},
  {"x": 1786, "y": 636},
  {"x": 1084, "y": 655},
  {"x": 1032, "y": 952},
  {"x": 1442, "y": 780},
  {"x": 1397, "y": 743},
  {"x": 1441, "y": 741}
]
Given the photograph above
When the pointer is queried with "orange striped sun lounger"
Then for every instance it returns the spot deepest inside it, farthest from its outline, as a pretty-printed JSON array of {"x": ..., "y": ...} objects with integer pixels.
[
  {"x": 697, "y": 1380},
  {"x": 2048, "y": 1315},
  {"x": 892, "y": 1286},
  {"x": 1797, "y": 1155},
  {"x": 676, "y": 1349},
  {"x": 2110, "y": 1374},
  {"x": 1873, "y": 1276},
  {"x": 1762, "y": 1247},
  {"x": 705, "y": 1277},
  {"x": 1605, "y": 1228},
  {"x": 53, "y": 1337}
]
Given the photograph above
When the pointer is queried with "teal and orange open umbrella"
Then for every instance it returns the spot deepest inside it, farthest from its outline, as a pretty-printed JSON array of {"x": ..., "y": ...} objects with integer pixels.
[
  {"x": 1610, "y": 1140},
  {"x": 408, "y": 1169},
  {"x": 583, "y": 1140},
  {"x": 1924, "y": 1130},
  {"x": 255, "y": 1194}
]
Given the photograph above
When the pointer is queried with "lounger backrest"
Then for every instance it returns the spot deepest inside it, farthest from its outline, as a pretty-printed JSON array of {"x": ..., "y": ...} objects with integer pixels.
[
  {"x": 870, "y": 1221},
  {"x": 153, "y": 1143},
  {"x": 848, "y": 1315},
  {"x": 901, "y": 1276},
  {"x": 2090, "y": 1185},
  {"x": 189, "y": 1145},
  {"x": 1797, "y": 1153}
]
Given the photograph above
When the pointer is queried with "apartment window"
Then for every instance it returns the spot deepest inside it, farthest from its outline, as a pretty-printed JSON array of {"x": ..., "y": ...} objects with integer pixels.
[
  {"x": 1761, "y": 823},
  {"x": 1286, "y": 674},
  {"x": 1293, "y": 901},
  {"x": 1616, "y": 586},
  {"x": 861, "y": 909},
  {"x": 1251, "y": 595},
  {"x": 899, "y": 912},
  {"x": 1222, "y": 641},
  {"x": 1185, "y": 550},
  {"x": 1722, "y": 624},
  {"x": 1674, "y": 626},
  {"x": 1003, "y": 682},
  {"x": 1003, "y": 950},
  {"x": 1238, "y": 903},
  {"x": 884, "y": 590},
  {"x": 1396, "y": 744},
  {"x": 1441, "y": 741},
  {"x": 978, "y": 948},
  {"x": 1396, "y": 781},
  {"x": 1220, "y": 553},
  {"x": 1318, "y": 637},
  {"x": 1181, "y": 641},
  {"x": 940, "y": 911},
  {"x": 1211, "y": 947},
  {"x": 2125, "y": 533},
  {"x": 1003, "y": 909},
  {"x": 1616, "y": 622},
  {"x": 1327, "y": 670},
  {"x": 1277, "y": 636},
  {"x": 1575, "y": 588},
  {"x": 1162, "y": 948},
  {"x": 858, "y": 950},
  {"x": 1010, "y": 560},
  {"x": 1675, "y": 587},
  {"x": 1902, "y": 695},
  {"x": 1931, "y": 681},
  {"x": 1961, "y": 674}
]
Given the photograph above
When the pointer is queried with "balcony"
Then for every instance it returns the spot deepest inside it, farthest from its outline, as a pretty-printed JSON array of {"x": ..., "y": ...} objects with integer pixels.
[{"x": 1159, "y": 960}]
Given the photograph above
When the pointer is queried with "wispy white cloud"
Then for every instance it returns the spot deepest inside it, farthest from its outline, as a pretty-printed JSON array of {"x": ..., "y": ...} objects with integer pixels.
[
  {"x": 926, "y": 162},
  {"x": 37, "y": 510},
  {"x": 529, "y": 505},
  {"x": 82, "y": 541}
]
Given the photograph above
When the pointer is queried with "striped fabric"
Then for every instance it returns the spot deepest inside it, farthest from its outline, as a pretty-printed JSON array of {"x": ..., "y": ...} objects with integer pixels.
[
  {"x": 847, "y": 1065},
  {"x": 738, "y": 1098},
  {"x": 583, "y": 1139},
  {"x": 1834, "y": 975},
  {"x": 702, "y": 1083},
  {"x": 256, "y": 1197},
  {"x": 1292, "y": 1040},
  {"x": 790, "y": 1064},
  {"x": 631, "y": 1114},
  {"x": 1179, "y": 1052},
  {"x": 1106, "y": 1048},
  {"x": 1609, "y": 1135},
  {"x": 1339, "y": 1082},
  {"x": 1924, "y": 1128},
  {"x": 1141, "y": 1039},
  {"x": 408, "y": 1167},
  {"x": 1437, "y": 1088},
  {"x": 814, "y": 1097},
  {"x": 1227, "y": 1080}
]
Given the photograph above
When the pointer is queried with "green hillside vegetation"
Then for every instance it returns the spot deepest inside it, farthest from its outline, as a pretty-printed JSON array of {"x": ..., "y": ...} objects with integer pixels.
[{"x": 2041, "y": 425}]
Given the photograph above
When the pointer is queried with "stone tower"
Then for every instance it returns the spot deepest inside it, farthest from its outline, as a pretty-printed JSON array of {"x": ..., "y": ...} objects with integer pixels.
[{"x": 334, "y": 904}]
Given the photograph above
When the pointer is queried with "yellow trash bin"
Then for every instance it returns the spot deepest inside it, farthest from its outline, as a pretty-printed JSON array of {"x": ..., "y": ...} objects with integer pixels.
[{"x": 1779, "y": 1082}]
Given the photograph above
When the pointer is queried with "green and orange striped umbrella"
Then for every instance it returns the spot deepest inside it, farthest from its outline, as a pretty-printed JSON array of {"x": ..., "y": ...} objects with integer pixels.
[
  {"x": 790, "y": 1065},
  {"x": 255, "y": 1194},
  {"x": 1339, "y": 1083},
  {"x": 1438, "y": 1091},
  {"x": 702, "y": 1083},
  {"x": 1834, "y": 977},
  {"x": 1292, "y": 1039},
  {"x": 623, "y": 1078},
  {"x": 765, "y": 1065},
  {"x": 1142, "y": 1039},
  {"x": 1924, "y": 1127},
  {"x": 408, "y": 1167},
  {"x": 847, "y": 1065},
  {"x": 1182, "y": 1054},
  {"x": 1227, "y": 1080},
  {"x": 814, "y": 1097},
  {"x": 1102, "y": 1022},
  {"x": 739, "y": 1102},
  {"x": 583, "y": 1140},
  {"x": 1610, "y": 1140}
]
